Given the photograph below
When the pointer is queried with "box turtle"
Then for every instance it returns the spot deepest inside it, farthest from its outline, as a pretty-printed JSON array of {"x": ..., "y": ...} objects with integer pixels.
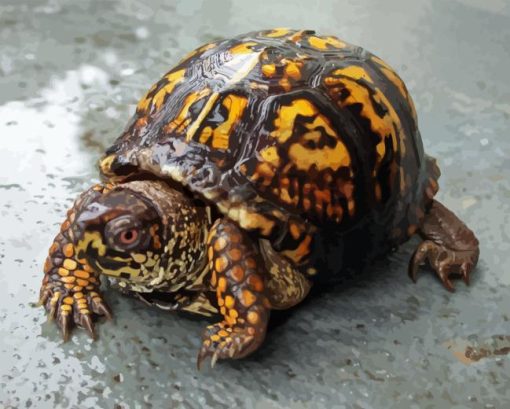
[{"x": 257, "y": 167}]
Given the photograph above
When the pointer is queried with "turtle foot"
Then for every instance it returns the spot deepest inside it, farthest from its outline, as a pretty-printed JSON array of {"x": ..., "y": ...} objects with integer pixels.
[
  {"x": 222, "y": 341},
  {"x": 445, "y": 262}
]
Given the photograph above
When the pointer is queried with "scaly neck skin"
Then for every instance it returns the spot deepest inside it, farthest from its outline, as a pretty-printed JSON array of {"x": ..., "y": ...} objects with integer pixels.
[{"x": 177, "y": 258}]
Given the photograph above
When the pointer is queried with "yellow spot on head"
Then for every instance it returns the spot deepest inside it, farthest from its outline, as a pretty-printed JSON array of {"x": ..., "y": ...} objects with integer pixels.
[{"x": 139, "y": 258}]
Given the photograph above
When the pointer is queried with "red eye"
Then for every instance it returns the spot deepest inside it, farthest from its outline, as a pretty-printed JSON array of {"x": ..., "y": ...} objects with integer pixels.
[{"x": 128, "y": 236}]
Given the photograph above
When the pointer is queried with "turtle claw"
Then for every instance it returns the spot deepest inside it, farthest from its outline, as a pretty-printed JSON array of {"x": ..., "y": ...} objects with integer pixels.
[
  {"x": 99, "y": 307},
  {"x": 214, "y": 358},
  {"x": 465, "y": 268},
  {"x": 444, "y": 261},
  {"x": 221, "y": 341},
  {"x": 43, "y": 297},
  {"x": 70, "y": 308},
  {"x": 86, "y": 322},
  {"x": 64, "y": 323}
]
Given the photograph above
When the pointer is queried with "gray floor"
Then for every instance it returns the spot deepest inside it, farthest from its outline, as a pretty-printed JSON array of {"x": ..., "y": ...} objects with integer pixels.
[{"x": 70, "y": 74}]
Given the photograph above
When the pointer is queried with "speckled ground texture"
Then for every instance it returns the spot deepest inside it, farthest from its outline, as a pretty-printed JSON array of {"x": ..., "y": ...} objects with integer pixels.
[{"x": 70, "y": 75}]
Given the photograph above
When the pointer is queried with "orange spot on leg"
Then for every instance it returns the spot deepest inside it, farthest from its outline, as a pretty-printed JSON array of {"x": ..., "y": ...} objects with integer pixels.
[{"x": 247, "y": 298}]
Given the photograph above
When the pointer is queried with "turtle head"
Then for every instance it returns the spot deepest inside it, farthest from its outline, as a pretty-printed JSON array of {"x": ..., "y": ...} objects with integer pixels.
[
  {"x": 137, "y": 231},
  {"x": 116, "y": 230}
]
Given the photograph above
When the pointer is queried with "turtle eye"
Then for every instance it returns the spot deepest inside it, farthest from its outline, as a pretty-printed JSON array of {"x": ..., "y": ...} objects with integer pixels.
[
  {"x": 123, "y": 233},
  {"x": 128, "y": 236}
]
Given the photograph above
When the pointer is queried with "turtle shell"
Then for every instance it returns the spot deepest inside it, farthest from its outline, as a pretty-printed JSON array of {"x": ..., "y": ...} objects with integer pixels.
[{"x": 288, "y": 133}]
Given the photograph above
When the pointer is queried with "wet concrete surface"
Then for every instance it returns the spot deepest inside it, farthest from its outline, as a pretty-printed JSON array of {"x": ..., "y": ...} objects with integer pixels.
[{"x": 70, "y": 76}]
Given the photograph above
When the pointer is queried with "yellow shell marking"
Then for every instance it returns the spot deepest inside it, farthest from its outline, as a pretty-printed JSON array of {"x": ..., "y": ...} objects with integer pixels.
[
  {"x": 243, "y": 48},
  {"x": 278, "y": 32},
  {"x": 397, "y": 81},
  {"x": 157, "y": 100},
  {"x": 284, "y": 123},
  {"x": 182, "y": 120},
  {"x": 235, "y": 106},
  {"x": 270, "y": 155},
  {"x": 325, "y": 158},
  {"x": 268, "y": 70},
  {"x": 388, "y": 125},
  {"x": 254, "y": 221},
  {"x": 197, "y": 51},
  {"x": 322, "y": 43},
  {"x": 243, "y": 66}
]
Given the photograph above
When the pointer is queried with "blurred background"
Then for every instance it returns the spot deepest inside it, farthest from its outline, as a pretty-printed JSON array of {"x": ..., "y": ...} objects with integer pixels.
[{"x": 71, "y": 73}]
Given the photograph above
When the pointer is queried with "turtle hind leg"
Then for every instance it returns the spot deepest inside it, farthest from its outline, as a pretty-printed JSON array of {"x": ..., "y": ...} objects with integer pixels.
[
  {"x": 286, "y": 286},
  {"x": 450, "y": 247}
]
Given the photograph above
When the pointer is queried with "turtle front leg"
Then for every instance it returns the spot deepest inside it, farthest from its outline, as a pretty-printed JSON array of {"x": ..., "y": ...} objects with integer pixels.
[
  {"x": 70, "y": 288},
  {"x": 450, "y": 247},
  {"x": 237, "y": 275}
]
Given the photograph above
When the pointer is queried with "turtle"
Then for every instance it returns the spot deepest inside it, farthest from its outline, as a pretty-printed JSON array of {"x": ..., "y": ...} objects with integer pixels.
[{"x": 258, "y": 167}]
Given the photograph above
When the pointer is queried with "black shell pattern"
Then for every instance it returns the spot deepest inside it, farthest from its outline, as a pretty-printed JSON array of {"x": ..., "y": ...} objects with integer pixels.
[{"x": 290, "y": 134}]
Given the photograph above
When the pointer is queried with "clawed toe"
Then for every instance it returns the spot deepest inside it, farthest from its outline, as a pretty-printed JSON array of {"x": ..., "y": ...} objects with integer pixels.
[
  {"x": 445, "y": 262},
  {"x": 69, "y": 309},
  {"x": 221, "y": 341}
]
